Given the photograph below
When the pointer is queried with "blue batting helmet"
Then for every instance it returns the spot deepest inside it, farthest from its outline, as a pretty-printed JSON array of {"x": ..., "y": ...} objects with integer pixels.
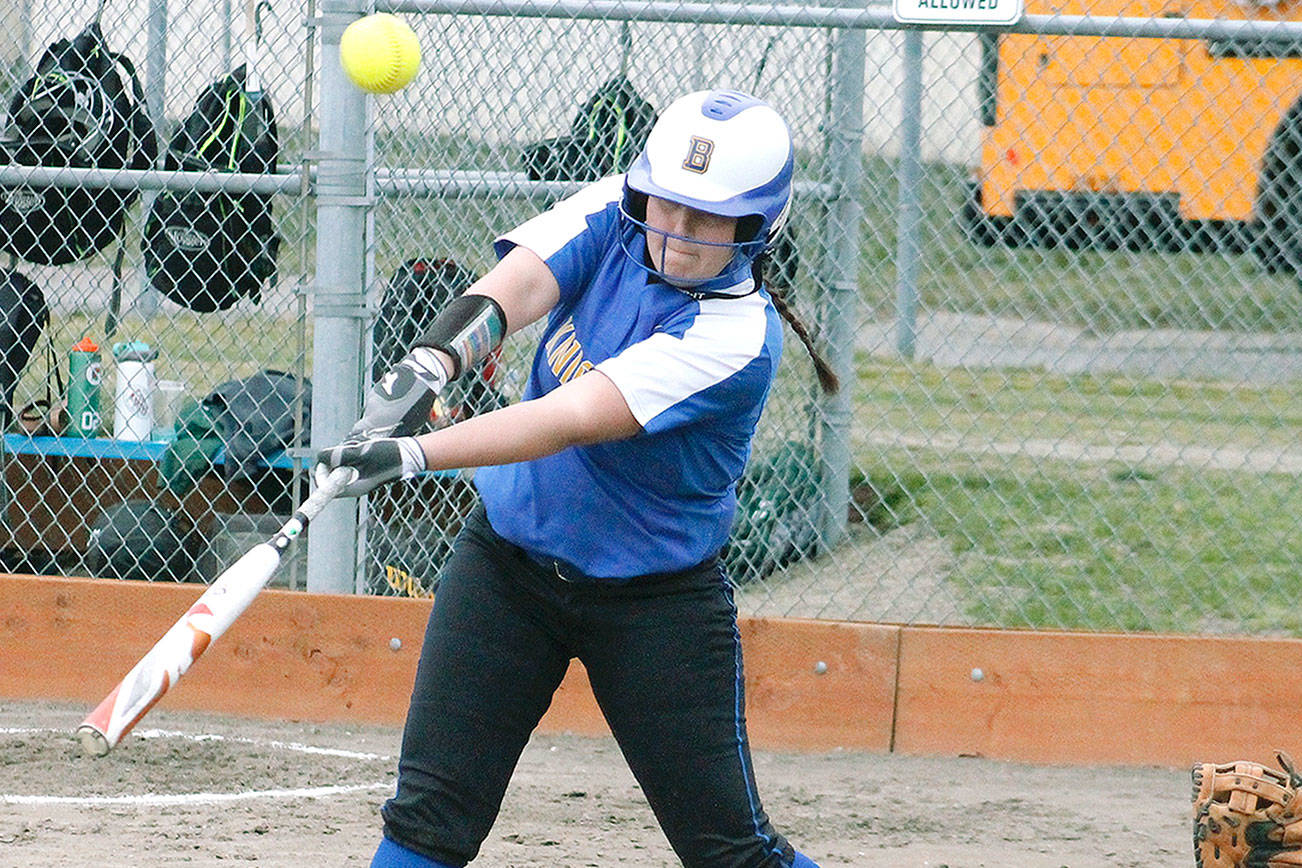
[{"x": 723, "y": 152}]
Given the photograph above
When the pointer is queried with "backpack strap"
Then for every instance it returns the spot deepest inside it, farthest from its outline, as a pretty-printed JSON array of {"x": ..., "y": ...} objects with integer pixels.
[
  {"x": 46, "y": 417},
  {"x": 53, "y": 359},
  {"x": 113, "y": 316},
  {"x": 140, "y": 124},
  {"x": 137, "y": 91},
  {"x": 141, "y": 129},
  {"x": 52, "y": 367}
]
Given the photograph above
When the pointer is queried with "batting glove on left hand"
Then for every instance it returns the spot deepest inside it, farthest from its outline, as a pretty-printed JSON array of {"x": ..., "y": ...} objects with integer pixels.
[
  {"x": 399, "y": 403},
  {"x": 373, "y": 462}
]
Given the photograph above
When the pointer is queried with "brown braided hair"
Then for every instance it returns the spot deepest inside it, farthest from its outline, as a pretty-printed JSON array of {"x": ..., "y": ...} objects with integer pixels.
[{"x": 827, "y": 379}]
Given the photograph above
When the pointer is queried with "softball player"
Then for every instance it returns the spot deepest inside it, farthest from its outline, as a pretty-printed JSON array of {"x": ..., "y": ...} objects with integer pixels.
[{"x": 607, "y": 492}]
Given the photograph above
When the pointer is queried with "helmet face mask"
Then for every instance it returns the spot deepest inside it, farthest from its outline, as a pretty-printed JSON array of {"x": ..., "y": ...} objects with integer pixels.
[
  {"x": 700, "y": 254},
  {"x": 720, "y": 152}
]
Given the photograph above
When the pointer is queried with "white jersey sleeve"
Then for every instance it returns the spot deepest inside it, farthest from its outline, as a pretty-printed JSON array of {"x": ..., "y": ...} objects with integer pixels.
[
  {"x": 572, "y": 235},
  {"x": 719, "y": 362}
]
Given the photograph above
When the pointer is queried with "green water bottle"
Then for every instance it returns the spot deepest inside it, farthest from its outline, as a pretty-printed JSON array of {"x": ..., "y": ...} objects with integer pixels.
[{"x": 84, "y": 419}]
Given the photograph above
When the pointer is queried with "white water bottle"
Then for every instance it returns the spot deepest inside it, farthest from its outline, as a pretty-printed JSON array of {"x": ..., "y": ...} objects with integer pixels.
[{"x": 133, "y": 402}]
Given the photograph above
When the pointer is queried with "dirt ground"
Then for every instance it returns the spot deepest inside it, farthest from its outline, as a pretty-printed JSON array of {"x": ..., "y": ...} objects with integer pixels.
[{"x": 198, "y": 789}]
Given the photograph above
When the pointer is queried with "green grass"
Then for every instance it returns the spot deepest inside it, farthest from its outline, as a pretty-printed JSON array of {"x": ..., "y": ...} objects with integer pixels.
[
  {"x": 197, "y": 349},
  {"x": 1184, "y": 551},
  {"x": 1145, "y": 544},
  {"x": 1155, "y": 540},
  {"x": 1005, "y": 405}
]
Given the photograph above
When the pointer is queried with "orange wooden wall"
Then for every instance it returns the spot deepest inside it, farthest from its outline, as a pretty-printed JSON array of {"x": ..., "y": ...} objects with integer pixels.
[{"x": 1040, "y": 696}]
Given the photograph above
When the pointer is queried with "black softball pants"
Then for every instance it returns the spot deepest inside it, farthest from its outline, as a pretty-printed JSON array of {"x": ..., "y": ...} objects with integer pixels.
[{"x": 664, "y": 659}]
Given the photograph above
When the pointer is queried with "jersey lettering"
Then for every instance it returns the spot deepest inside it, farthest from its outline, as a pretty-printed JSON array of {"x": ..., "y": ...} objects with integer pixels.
[
  {"x": 560, "y": 343},
  {"x": 565, "y": 354},
  {"x": 568, "y": 353},
  {"x": 569, "y": 370}
]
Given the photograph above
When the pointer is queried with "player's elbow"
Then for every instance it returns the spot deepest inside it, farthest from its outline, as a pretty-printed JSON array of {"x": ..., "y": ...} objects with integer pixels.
[{"x": 591, "y": 409}]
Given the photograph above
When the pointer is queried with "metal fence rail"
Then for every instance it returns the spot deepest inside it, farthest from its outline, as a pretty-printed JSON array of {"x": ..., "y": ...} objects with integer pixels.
[{"x": 1054, "y": 264}]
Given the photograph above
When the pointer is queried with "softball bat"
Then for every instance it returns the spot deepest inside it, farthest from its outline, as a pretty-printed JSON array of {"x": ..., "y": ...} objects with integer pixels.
[{"x": 201, "y": 625}]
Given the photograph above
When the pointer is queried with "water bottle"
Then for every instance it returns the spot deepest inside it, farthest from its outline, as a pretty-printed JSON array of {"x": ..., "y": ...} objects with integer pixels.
[
  {"x": 133, "y": 403},
  {"x": 84, "y": 419}
]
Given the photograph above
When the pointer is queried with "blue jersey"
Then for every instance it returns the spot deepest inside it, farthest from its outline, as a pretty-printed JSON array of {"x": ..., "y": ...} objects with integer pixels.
[{"x": 695, "y": 375}]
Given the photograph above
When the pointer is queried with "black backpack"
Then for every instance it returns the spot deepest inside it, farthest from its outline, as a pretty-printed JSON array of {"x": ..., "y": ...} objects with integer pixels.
[
  {"x": 83, "y": 107},
  {"x": 608, "y": 133},
  {"x": 409, "y": 536},
  {"x": 24, "y": 314},
  {"x": 206, "y": 251},
  {"x": 140, "y": 540},
  {"x": 417, "y": 292}
]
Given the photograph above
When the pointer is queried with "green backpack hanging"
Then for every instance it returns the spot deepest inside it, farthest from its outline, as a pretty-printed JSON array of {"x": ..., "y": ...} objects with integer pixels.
[{"x": 777, "y": 514}]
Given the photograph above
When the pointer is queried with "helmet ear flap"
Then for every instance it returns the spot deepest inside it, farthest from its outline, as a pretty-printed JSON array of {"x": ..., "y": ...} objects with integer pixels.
[
  {"x": 748, "y": 228},
  {"x": 637, "y": 205}
]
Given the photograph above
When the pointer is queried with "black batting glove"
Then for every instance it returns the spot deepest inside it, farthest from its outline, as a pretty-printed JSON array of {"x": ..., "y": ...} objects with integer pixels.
[
  {"x": 373, "y": 462},
  {"x": 399, "y": 403}
]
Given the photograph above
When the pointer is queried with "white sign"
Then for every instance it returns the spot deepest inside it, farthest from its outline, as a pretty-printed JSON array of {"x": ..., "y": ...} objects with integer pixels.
[{"x": 958, "y": 11}]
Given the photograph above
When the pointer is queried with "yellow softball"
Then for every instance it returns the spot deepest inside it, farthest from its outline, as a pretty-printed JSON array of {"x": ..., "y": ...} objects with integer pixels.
[{"x": 380, "y": 53}]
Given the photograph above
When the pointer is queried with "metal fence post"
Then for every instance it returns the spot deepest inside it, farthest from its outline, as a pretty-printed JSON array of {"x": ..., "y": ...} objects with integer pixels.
[
  {"x": 840, "y": 315},
  {"x": 908, "y": 247},
  {"x": 25, "y": 62},
  {"x": 339, "y": 295},
  {"x": 226, "y": 34},
  {"x": 156, "y": 101},
  {"x": 156, "y": 67}
]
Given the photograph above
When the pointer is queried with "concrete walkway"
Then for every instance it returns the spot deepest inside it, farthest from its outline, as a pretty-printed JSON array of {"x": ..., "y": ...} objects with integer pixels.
[{"x": 960, "y": 340}]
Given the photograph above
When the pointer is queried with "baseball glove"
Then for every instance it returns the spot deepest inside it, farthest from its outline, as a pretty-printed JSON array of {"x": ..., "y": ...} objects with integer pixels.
[{"x": 1247, "y": 815}]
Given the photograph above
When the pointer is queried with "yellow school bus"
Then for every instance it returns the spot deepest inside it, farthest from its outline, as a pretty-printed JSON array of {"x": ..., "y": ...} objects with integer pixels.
[{"x": 1142, "y": 143}]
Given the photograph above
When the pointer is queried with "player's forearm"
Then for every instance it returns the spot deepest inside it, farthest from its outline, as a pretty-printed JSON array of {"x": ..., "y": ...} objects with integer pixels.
[
  {"x": 501, "y": 437},
  {"x": 587, "y": 410}
]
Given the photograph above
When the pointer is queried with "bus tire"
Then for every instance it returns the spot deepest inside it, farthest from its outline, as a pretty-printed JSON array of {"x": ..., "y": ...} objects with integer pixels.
[
  {"x": 982, "y": 229},
  {"x": 1277, "y": 223}
]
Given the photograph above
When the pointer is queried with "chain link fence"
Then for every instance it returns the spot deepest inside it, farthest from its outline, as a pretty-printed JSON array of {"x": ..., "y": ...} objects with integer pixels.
[
  {"x": 178, "y": 322},
  {"x": 1056, "y": 270}
]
